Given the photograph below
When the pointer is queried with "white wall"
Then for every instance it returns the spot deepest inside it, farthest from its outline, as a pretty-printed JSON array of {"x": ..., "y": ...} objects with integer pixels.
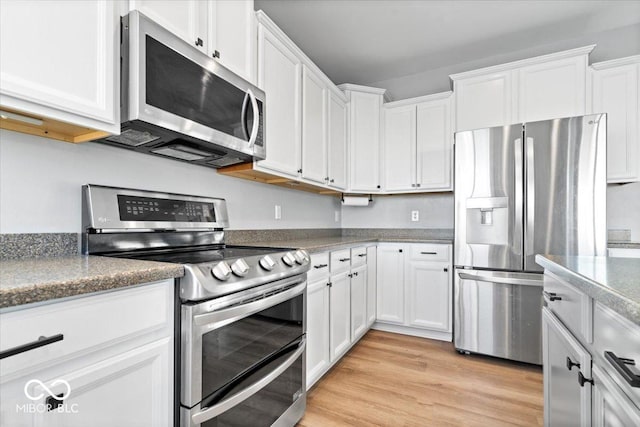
[
  {"x": 436, "y": 211},
  {"x": 623, "y": 208},
  {"x": 40, "y": 182}
]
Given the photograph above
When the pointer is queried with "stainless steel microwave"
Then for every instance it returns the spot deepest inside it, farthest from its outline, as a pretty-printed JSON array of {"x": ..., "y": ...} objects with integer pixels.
[{"x": 179, "y": 103}]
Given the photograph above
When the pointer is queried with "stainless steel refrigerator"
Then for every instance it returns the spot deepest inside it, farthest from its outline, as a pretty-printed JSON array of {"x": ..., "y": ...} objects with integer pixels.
[{"x": 521, "y": 190}]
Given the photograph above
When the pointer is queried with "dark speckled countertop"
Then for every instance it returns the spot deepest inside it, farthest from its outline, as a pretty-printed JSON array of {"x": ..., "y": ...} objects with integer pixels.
[
  {"x": 614, "y": 282},
  {"x": 31, "y": 280}
]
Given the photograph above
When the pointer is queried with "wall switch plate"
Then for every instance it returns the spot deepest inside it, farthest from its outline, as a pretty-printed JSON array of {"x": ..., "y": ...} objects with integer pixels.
[
  {"x": 415, "y": 216},
  {"x": 278, "y": 212}
]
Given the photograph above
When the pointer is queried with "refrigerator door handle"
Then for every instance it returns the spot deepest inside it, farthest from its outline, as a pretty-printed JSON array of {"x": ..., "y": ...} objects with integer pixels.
[
  {"x": 518, "y": 202},
  {"x": 504, "y": 280},
  {"x": 531, "y": 197}
]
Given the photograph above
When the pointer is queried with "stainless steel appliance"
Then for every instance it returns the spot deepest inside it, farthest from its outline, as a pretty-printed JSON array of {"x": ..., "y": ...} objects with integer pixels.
[
  {"x": 522, "y": 190},
  {"x": 178, "y": 103},
  {"x": 240, "y": 311}
]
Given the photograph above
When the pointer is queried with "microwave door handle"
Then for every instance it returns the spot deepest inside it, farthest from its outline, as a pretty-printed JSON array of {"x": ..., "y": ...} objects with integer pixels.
[
  {"x": 243, "y": 116},
  {"x": 256, "y": 118}
]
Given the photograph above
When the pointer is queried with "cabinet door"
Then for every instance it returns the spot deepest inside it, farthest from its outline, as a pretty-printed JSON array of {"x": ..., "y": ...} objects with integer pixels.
[
  {"x": 337, "y": 155},
  {"x": 317, "y": 330},
  {"x": 314, "y": 127},
  {"x": 390, "y": 284},
  {"x": 434, "y": 145},
  {"x": 187, "y": 19},
  {"x": 358, "y": 302},
  {"x": 611, "y": 407},
  {"x": 616, "y": 92},
  {"x": 279, "y": 73},
  {"x": 429, "y": 295},
  {"x": 59, "y": 60},
  {"x": 484, "y": 101},
  {"x": 231, "y": 32},
  {"x": 565, "y": 401},
  {"x": 340, "y": 315},
  {"x": 552, "y": 89},
  {"x": 399, "y": 148},
  {"x": 364, "y": 141},
  {"x": 372, "y": 261},
  {"x": 131, "y": 389}
]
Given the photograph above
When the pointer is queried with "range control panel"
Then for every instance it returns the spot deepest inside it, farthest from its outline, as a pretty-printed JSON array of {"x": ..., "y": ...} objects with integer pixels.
[{"x": 136, "y": 208}]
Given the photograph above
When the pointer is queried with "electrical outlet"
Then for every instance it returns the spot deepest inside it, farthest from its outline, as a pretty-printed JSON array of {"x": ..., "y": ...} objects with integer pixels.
[
  {"x": 415, "y": 216},
  {"x": 278, "y": 212}
]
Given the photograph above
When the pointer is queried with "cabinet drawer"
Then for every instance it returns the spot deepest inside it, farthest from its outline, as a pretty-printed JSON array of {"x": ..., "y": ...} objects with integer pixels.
[
  {"x": 571, "y": 306},
  {"x": 358, "y": 256},
  {"x": 340, "y": 260},
  {"x": 319, "y": 266},
  {"x": 87, "y": 324},
  {"x": 429, "y": 252},
  {"x": 615, "y": 334}
]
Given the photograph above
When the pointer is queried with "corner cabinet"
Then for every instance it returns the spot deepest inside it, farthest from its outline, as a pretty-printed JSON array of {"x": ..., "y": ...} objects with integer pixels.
[
  {"x": 60, "y": 68},
  {"x": 615, "y": 90},
  {"x": 417, "y": 144}
]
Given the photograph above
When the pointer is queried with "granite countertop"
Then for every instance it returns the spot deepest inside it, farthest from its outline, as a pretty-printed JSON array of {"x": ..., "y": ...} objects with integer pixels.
[
  {"x": 614, "y": 282},
  {"x": 321, "y": 244},
  {"x": 624, "y": 245},
  {"x": 33, "y": 280}
]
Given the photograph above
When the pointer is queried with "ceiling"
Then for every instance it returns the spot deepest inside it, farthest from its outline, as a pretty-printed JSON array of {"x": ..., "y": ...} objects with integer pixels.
[{"x": 363, "y": 41}]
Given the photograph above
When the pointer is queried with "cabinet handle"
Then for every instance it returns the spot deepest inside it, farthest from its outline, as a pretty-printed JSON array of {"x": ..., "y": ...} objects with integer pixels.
[
  {"x": 446, "y": 269},
  {"x": 329, "y": 284},
  {"x": 326, "y": 178},
  {"x": 571, "y": 364},
  {"x": 551, "y": 296},
  {"x": 350, "y": 275},
  {"x": 320, "y": 266},
  {"x": 582, "y": 379},
  {"x": 429, "y": 253},
  {"x": 299, "y": 170},
  {"x": 332, "y": 180},
  {"x": 199, "y": 42},
  {"x": 355, "y": 274},
  {"x": 344, "y": 259},
  {"x": 400, "y": 250},
  {"x": 622, "y": 366},
  {"x": 418, "y": 185},
  {"x": 216, "y": 54},
  {"x": 362, "y": 255},
  {"x": 40, "y": 342},
  {"x": 377, "y": 186}
]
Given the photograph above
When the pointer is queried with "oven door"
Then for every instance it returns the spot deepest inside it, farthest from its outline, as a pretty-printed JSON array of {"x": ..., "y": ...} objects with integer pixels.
[{"x": 244, "y": 355}]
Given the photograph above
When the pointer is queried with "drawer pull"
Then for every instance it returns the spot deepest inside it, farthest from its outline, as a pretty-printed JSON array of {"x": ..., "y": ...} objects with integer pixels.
[
  {"x": 40, "y": 342},
  {"x": 551, "y": 296},
  {"x": 571, "y": 364},
  {"x": 622, "y": 366},
  {"x": 429, "y": 253},
  {"x": 344, "y": 259},
  {"x": 362, "y": 255},
  {"x": 582, "y": 379},
  {"x": 321, "y": 266}
]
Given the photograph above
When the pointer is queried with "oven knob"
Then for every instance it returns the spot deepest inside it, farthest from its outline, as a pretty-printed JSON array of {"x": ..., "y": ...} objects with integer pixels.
[
  {"x": 221, "y": 271},
  {"x": 240, "y": 267},
  {"x": 301, "y": 256},
  {"x": 289, "y": 259},
  {"x": 267, "y": 263}
]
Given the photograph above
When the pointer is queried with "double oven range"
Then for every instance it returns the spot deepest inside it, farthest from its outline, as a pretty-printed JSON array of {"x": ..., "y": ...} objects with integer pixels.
[{"x": 240, "y": 311}]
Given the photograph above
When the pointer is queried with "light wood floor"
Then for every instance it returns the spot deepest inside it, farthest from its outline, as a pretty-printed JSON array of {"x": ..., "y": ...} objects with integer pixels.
[{"x": 396, "y": 380}]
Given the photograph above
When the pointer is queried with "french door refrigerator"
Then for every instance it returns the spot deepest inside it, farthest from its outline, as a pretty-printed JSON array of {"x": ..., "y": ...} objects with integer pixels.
[{"x": 521, "y": 190}]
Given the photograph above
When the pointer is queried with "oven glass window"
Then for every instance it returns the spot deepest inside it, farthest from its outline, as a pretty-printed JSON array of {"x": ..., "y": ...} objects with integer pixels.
[
  {"x": 232, "y": 349},
  {"x": 180, "y": 86}
]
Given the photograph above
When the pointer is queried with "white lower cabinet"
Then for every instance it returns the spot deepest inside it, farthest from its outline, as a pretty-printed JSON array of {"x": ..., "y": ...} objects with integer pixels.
[
  {"x": 318, "y": 359},
  {"x": 611, "y": 408},
  {"x": 372, "y": 261},
  {"x": 113, "y": 380},
  {"x": 414, "y": 289},
  {"x": 340, "y": 314},
  {"x": 358, "y": 302}
]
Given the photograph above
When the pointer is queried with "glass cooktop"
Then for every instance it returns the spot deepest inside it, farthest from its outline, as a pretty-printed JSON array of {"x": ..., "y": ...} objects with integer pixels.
[{"x": 196, "y": 256}]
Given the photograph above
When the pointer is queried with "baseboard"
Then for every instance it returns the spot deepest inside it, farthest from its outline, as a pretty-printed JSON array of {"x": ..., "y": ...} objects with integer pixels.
[{"x": 416, "y": 332}]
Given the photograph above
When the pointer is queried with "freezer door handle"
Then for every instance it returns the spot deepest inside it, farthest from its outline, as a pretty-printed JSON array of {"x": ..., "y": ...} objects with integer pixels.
[
  {"x": 504, "y": 280},
  {"x": 531, "y": 197},
  {"x": 518, "y": 201}
]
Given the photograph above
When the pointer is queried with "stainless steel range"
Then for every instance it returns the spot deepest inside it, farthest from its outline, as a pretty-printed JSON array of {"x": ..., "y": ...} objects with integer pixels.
[{"x": 241, "y": 316}]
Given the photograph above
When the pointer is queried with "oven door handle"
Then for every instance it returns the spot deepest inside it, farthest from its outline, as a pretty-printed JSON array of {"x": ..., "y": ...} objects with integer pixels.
[
  {"x": 230, "y": 402},
  {"x": 217, "y": 319}
]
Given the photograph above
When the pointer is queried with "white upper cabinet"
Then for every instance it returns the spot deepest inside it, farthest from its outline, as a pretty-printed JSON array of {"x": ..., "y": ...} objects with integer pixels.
[
  {"x": 417, "y": 144},
  {"x": 279, "y": 75},
  {"x": 484, "y": 100},
  {"x": 364, "y": 137},
  {"x": 187, "y": 19},
  {"x": 615, "y": 90},
  {"x": 552, "y": 89},
  {"x": 540, "y": 88},
  {"x": 314, "y": 127},
  {"x": 59, "y": 61},
  {"x": 337, "y": 147}
]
